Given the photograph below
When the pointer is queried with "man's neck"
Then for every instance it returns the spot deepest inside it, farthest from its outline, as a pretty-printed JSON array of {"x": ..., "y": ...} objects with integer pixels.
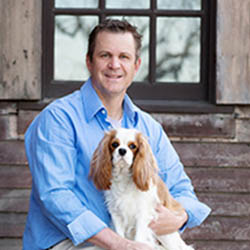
[
  {"x": 114, "y": 108},
  {"x": 113, "y": 103}
]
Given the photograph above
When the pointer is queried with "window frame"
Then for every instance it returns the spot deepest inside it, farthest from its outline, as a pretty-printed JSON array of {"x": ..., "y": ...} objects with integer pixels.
[{"x": 152, "y": 97}]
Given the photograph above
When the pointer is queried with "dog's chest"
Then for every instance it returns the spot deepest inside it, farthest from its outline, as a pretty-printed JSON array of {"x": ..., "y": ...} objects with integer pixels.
[{"x": 127, "y": 201}]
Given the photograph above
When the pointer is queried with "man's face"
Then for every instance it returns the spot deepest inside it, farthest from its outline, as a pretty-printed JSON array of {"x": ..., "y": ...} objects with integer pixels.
[{"x": 114, "y": 63}]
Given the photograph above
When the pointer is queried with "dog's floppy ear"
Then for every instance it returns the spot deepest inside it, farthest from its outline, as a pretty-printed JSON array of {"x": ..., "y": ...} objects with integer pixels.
[
  {"x": 144, "y": 165},
  {"x": 101, "y": 163}
]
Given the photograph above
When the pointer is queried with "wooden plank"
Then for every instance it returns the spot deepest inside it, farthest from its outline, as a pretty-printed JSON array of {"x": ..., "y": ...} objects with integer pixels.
[
  {"x": 12, "y": 225},
  {"x": 14, "y": 200},
  {"x": 12, "y": 153},
  {"x": 11, "y": 244},
  {"x": 233, "y": 58},
  {"x": 24, "y": 120},
  {"x": 221, "y": 204},
  {"x": 8, "y": 127},
  {"x": 15, "y": 177},
  {"x": 8, "y": 107},
  {"x": 204, "y": 179},
  {"x": 227, "y": 204},
  {"x": 191, "y": 153},
  {"x": 221, "y": 245},
  {"x": 20, "y": 61},
  {"x": 233, "y": 180},
  {"x": 16, "y": 244},
  {"x": 221, "y": 229},
  {"x": 243, "y": 130},
  {"x": 214, "y": 228},
  {"x": 201, "y": 125},
  {"x": 214, "y": 154}
]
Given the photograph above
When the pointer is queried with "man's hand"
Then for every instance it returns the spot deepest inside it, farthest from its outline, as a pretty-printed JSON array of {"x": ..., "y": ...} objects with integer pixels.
[{"x": 168, "y": 221}]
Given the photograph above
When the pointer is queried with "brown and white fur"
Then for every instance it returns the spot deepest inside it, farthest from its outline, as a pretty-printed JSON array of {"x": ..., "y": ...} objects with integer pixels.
[{"x": 124, "y": 166}]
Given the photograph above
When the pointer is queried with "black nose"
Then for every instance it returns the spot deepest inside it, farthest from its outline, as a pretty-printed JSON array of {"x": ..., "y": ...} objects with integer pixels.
[{"x": 122, "y": 151}]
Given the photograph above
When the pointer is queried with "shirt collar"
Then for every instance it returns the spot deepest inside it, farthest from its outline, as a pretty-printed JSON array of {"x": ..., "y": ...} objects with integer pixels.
[
  {"x": 91, "y": 101},
  {"x": 92, "y": 104},
  {"x": 130, "y": 110}
]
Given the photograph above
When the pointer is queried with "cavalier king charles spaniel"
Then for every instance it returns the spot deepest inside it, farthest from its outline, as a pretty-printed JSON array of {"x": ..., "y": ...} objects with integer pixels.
[{"x": 124, "y": 167}]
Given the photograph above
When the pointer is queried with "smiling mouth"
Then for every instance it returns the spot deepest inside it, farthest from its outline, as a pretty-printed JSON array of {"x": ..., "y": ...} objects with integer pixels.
[{"x": 113, "y": 76}]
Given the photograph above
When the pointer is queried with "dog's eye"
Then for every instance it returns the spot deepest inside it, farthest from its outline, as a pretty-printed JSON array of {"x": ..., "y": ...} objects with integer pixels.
[
  {"x": 115, "y": 144},
  {"x": 132, "y": 146}
]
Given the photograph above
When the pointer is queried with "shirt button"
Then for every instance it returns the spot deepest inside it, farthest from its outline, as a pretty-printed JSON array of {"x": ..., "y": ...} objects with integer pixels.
[{"x": 103, "y": 112}]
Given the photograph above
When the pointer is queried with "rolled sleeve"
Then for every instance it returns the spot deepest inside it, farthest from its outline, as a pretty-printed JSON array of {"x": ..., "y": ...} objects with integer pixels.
[
  {"x": 85, "y": 226},
  {"x": 196, "y": 210}
]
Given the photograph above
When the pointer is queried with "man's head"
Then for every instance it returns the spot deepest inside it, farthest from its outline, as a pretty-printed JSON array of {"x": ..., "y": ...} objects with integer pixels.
[
  {"x": 113, "y": 58},
  {"x": 114, "y": 26}
]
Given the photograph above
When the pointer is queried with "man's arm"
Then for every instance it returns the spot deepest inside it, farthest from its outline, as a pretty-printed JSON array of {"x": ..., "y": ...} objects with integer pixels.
[
  {"x": 52, "y": 159},
  {"x": 179, "y": 184}
]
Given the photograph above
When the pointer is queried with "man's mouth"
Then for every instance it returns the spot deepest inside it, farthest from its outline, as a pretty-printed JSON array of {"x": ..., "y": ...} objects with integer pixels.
[{"x": 111, "y": 76}]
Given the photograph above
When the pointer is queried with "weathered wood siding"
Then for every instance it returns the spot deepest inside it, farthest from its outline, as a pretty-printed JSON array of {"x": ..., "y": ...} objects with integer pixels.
[
  {"x": 20, "y": 49},
  {"x": 233, "y": 52},
  {"x": 218, "y": 165}
]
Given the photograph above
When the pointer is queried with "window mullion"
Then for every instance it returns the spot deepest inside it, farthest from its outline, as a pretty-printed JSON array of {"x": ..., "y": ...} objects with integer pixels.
[{"x": 152, "y": 44}]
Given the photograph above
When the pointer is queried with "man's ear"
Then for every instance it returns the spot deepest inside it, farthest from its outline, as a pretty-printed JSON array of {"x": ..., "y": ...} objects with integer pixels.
[
  {"x": 88, "y": 63},
  {"x": 137, "y": 64}
]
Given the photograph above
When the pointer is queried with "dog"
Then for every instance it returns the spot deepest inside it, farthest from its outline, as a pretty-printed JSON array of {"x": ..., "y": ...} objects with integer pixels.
[{"x": 123, "y": 165}]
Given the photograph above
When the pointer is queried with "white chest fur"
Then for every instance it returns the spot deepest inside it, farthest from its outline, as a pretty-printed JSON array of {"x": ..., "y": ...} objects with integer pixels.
[{"x": 131, "y": 209}]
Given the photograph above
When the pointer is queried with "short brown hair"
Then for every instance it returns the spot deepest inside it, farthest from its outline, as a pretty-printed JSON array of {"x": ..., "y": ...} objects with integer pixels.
[{"x": 115, "y": 26}]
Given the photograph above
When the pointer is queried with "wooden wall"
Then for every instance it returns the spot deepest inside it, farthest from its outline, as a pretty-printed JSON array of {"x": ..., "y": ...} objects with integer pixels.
[{"x": 214, "y": 157}]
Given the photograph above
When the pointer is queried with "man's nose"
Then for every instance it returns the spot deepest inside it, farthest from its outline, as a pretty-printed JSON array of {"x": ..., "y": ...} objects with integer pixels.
[{"x": 114, "y": 63}]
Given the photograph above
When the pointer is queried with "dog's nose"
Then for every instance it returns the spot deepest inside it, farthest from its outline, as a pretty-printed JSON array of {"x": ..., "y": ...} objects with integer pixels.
[{"x": 122, "y": 151}]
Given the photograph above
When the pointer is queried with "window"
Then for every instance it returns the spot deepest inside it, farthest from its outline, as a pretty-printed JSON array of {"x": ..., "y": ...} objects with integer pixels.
[{"x": 177, "y": 51}]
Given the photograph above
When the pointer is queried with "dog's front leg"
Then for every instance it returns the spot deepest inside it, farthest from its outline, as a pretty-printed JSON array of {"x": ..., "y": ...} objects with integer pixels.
[
  {"x": 174, "y": 241},
  {"x": 118, "y": 225},
  {"x": 143, "y": 232}
]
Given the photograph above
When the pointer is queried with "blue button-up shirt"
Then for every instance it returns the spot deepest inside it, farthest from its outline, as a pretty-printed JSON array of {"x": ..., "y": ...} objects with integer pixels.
[{"x": 60, "y": 142}]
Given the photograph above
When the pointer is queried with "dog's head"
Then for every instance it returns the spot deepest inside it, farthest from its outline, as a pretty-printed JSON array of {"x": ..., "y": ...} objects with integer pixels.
[{"x": 123, "y": 151}]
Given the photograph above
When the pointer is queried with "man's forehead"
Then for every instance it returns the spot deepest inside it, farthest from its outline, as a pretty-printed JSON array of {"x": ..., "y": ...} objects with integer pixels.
[{"x": 107, "y": 39}]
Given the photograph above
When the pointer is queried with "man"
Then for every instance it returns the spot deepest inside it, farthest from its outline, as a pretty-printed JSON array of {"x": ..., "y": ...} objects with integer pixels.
[{"x": 66, "y": 210}]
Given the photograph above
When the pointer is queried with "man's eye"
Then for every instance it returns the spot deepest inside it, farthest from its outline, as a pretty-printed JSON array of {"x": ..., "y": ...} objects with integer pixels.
[
  {"x": 132, "y": 146},
  {"x": 124, "y": 57},
  {"x": 115, "y": 144},
  {"x": 104, "y": 55}
]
